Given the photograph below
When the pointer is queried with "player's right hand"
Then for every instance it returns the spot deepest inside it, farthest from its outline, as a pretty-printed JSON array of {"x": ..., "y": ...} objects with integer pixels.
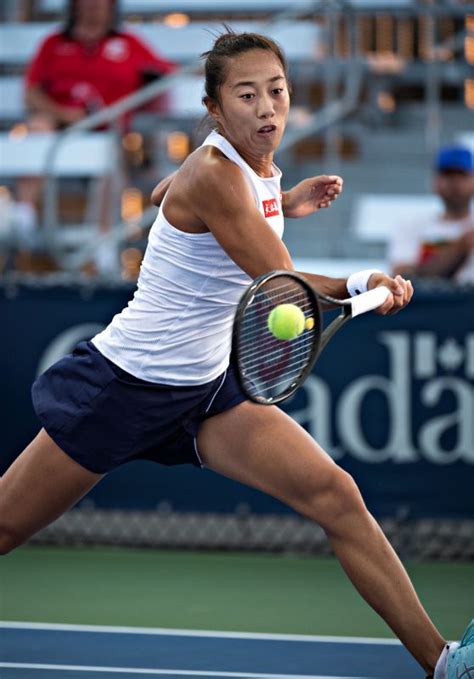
[{"x": 401, "y": 292}]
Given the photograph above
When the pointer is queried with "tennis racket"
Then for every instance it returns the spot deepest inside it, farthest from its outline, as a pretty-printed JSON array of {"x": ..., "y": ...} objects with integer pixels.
[{"x": 271, "y": 369}]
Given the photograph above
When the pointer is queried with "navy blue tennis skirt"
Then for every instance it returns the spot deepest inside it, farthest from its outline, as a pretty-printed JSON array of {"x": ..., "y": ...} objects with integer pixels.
[{"x": 102, "y": 416}]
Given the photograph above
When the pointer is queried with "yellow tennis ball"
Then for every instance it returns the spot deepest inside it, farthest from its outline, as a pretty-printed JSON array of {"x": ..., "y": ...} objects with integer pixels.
[
  {"x": 286, "y": 321},
  {"x": 309, "y": 324}
]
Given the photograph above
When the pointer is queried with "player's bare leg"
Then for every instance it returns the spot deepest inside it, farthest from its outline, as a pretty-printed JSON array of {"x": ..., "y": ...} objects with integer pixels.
[
  {"x": 262, "y": 447},
  {"x": 41, "y": 484}
]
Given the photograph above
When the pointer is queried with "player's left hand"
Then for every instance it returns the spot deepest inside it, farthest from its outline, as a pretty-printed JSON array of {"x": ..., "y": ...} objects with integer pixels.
[
  {"x": 311, "y": 195},
  {"x": 401, "y": 289}
]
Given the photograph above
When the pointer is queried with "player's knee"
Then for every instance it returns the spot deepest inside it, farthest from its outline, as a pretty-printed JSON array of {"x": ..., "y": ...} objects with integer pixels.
[
  {"x": 337, "y": 501},
  {"x": 346, "y": 503},
  {"x": 348, "y": 494}
]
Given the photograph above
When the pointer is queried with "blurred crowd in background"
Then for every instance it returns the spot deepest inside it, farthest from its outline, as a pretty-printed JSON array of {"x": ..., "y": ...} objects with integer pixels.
[{"x": 383, "y": 94}]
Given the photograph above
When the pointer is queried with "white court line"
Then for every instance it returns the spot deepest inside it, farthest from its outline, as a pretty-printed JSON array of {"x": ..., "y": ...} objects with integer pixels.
[
  {"x": 160, "y": 631},
  {"x": 181, "y": 673}
]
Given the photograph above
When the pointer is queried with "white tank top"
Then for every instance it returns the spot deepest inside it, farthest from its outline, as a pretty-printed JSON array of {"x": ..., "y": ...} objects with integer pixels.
[{"x": 177, "y": 329}]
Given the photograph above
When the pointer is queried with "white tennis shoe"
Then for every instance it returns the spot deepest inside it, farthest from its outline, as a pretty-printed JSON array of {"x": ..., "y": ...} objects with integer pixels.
[
  {"x": 460, "y": 663},
  {"x": 457, "y": 659}
]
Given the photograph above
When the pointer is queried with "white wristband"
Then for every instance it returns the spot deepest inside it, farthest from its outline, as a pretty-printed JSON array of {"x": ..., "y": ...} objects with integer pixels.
[{"x": 357, "y": 282}]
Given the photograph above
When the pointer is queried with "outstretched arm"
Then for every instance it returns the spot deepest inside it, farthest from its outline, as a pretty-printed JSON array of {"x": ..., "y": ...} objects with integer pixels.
[
  {"x": 219, "y": 197},
  {"x": 311, "y": 195},
  {"x": 402, "y": 290}
]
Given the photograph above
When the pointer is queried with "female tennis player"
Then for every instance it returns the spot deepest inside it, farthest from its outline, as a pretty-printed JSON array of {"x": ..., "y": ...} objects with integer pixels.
[{"x": 157, "y": 384}]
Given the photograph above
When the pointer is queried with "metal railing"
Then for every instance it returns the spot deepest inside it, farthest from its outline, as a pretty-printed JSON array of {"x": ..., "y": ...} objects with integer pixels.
[
  {"x": 103, "y": 117},
  {"x": 319, "y": 121},
  {"x": 335, "y": 109},
  {"x": 331, "y": 113}
]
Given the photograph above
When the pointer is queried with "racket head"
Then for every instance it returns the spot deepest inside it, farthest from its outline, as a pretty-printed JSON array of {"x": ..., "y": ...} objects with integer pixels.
[{"x": 270, "y": 369}]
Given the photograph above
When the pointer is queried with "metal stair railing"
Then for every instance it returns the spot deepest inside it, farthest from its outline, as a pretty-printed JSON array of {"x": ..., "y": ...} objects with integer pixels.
[
  {"x": 100, "y": 118},
  {"x": 330, "y": 114},
  {"x": 321, "y": 120}
]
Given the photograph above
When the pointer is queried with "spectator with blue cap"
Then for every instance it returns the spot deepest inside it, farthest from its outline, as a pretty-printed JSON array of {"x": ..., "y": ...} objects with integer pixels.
[{"x": 442, "y": 245}]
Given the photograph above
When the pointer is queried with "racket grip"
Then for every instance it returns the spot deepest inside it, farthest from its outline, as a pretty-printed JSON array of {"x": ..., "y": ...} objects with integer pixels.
[{"x": 369, "y": 300}]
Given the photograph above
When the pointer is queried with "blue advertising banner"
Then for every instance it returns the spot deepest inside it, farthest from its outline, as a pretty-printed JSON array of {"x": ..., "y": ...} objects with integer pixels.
[{"x": 391, "y": 400}]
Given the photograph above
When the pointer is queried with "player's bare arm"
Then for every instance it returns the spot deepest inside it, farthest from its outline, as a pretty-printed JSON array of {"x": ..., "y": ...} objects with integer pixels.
[
  {"x": 221, "y": 197},
  {"x": 311, "y": 195},
  {"x": 161, "y": 188},
  {"x": 247, "y": 238},
  {"x": 401, "y": 289}
]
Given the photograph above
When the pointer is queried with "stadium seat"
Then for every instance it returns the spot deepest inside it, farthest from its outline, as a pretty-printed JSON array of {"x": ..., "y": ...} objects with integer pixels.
[
  {"x": 184, "y": 99},
  {"x": 337, "y": 267},
  {"x": 184, "y": 44},
  {"x": 188, "y": 6},
  {"x": 19, "y": 41},
  {"x": 224, "y": 6},
  {"x": 84, "y": 156},
  {"x": 80, "y": 155},
  {"x": 376, "y": 216},
  {"x": 11, "y": 96}
]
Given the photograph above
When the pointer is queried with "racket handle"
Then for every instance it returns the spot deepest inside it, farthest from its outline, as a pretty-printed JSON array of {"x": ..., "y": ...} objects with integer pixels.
[{"x": 369, "y": 300}]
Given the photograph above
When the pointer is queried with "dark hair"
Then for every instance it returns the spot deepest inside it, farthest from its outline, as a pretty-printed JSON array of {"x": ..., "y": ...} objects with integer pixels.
[
  {"x": 229, "y": 45},
  {"x": 71, "y": 17}
]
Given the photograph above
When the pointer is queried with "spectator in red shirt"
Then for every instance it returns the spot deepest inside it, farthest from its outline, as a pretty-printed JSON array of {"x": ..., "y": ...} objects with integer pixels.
[
  {"x": 86, "y": 66},
  {"x": 89, "y": 64}
]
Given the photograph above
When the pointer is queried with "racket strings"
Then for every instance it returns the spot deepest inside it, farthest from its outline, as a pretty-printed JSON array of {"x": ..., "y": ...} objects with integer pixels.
[
  {"x": 286, "y": 296},
  {"x": 269, "y": 365},
  {"x": 270, "y": 373},
  {"x": 263, "y": 302},
  {"x": 259, "y": 326},
  {"x": 269, "y": 339},
  {"x": 271, "y": 288},
  {"x": 295, "y": 368},
  {"x": 272, "y": 385},
  {"x": 296, "y": 345}
]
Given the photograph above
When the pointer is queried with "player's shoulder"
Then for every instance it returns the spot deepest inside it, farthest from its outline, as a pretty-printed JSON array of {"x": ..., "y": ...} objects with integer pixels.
[
  {"x": 209, "y": 179},
  {"x": 209, "y": 167}
]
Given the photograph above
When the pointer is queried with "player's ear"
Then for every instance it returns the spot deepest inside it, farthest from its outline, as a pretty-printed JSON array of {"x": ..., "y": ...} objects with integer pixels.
[{"x": 213, "y": 108}]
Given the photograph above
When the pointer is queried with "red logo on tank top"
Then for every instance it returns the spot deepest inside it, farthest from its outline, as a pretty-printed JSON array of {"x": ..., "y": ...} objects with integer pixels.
[{"x": 270, "y": 208}]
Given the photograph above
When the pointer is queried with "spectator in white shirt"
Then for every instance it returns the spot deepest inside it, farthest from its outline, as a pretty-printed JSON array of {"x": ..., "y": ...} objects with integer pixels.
[{"x": 441, "y": 245}]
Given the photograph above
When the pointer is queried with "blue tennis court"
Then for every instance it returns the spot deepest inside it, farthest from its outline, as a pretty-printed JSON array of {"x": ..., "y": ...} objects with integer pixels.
[{"x": 37, "y": 651}]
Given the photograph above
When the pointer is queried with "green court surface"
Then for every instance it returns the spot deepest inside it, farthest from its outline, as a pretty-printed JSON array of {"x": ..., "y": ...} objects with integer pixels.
[{"x": 213, "y": 591}]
